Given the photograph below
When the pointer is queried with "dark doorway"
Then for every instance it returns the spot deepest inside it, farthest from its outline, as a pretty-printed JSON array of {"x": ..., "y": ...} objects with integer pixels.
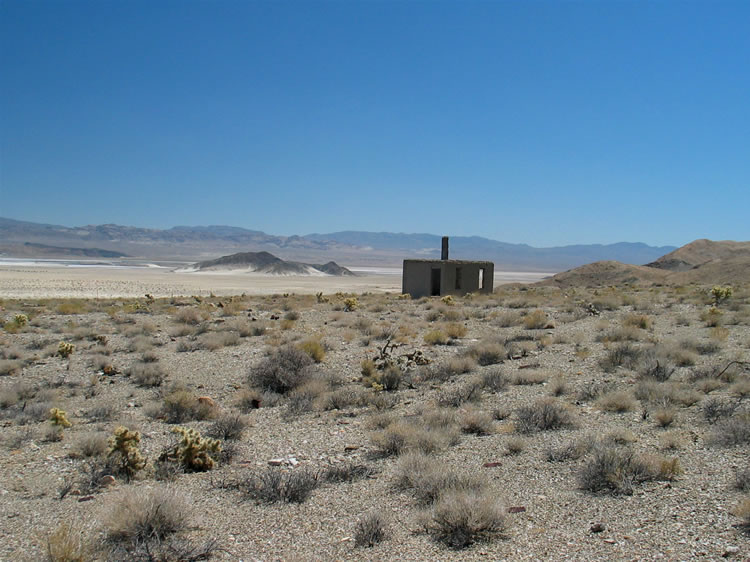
[{"x": 435, "y": 282}]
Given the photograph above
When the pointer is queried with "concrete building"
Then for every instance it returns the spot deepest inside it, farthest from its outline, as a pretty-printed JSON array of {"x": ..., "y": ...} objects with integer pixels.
[{"x": 446, "y": 277}]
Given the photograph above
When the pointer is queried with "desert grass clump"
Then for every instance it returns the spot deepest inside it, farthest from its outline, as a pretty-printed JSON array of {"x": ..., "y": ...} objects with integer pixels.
[
  {"x": 346, "y": 472},
  {"x": 90, "y": 445},
  {"x": 616, "y": 401},
  {"x": 436, "y": 337},
  {"x": 464, "y": 393},
  {"x": 147, "y": 375},
  {"x": 569, "y": 451},
  {"x": 536, "y": 320},
  {"x": 742, "y": 480},
  {"x": 515, "y": 446},
  {"x": 10, "y": 367},
  {"x": 665, "y": 416},
  {"x": 399, "y": 437},
  {"x": 228, "y": 427},
  {"x": 67, "y": 543},
  {"x": 624, "y": 355},
  {"x": 614, "y": 470},
  {"x": 191, "y": 316},
  {"x": 370, "y": 529},
  {"x": 216, "y": 341},
  {"x": 181, "y": 405},
  {"x": 283, "y": 370},
  {"x": 641, "y": 321},
  {"x": 488, "y": 353},
  {"x": 150, "y": 515},
  {"x": 528, "y": 378},
  {"x": 275, "y": 485},
  {"x": 427, "y": 479},
  {"x": 494, "y": 380},
  {"x": 476, "y": 422},
  {"x": 313, "y": 348},
  {"x": 462, "y": 518},
  {"x": 732, "y": 431},
  {"x": 544, "y": 414}
]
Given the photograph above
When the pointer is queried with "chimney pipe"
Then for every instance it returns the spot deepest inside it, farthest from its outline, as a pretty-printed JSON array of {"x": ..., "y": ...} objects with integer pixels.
[{"x": 444, "y": 254}]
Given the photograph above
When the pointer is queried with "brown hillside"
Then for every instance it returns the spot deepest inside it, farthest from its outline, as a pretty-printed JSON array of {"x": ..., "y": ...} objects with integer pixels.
[
  {"x": 702, "y": 262},
  {"x": 701, "y": 252},
  {"x": 606, "y": 273}
]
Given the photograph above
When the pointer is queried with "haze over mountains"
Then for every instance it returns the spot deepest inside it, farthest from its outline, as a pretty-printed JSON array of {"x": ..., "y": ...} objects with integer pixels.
[{"x": 201, "y": 243}]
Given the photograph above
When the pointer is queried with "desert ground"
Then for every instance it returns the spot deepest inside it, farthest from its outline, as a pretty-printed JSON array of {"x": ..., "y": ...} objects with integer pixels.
[
  {"x": 73, "y": 280},
  {"x": 531, "y": 424}
]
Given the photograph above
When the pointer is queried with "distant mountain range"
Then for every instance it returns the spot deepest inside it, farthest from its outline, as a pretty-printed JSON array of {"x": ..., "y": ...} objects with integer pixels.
[
  {"x": 263, "y": 262},
  {"x": 201, "y": 243}
]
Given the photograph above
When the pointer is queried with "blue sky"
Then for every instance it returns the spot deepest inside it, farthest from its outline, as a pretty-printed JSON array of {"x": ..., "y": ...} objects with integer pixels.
[{"x": 546, "y": 123}]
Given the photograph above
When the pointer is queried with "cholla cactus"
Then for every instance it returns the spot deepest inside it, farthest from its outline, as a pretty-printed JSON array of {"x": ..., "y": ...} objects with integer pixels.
[
  {"x": 721, "y": 294},
  {"x": 20, "y": 320},
  {"x": 322, "y": 299},
  {"x": 59, "y": 417},
  {"x": 125, "y": 444},
  {"x": 350, "y": 304},
  {"x": 193, "y": 451},
  {"x": 448, "y": 300},
  {"x": 65, "y": 349}
]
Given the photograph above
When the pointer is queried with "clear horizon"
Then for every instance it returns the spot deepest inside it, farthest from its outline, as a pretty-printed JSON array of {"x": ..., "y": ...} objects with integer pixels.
[{"x": 544, "y": 123}]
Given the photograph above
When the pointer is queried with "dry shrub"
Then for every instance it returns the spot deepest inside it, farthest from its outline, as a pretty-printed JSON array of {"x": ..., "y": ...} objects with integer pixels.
[
  {"x": 616, "y": 401},
  {"x": 544, "y": 414},
  {"x": 228, "y": 427},
  {"x": 461, "y": 518},
  {"x": 569, "y": 451},
  {"x": 371, "y": 529},
  {"x": 508, "y": 319},
  {"x": 436, "y": 337},
  {"x": 192, "y": 316},
  {"x": 641, "y": 321},
  {"x": 664, "y": 417},
  {"x": 477, "y": 422},
  {"x": 454, "y": 330},
  {"x": 469, "y": 392},
  {"x": 313, "y": 348},
  {"x": 742, "y": 480},
  {"x": 732, "y": 431},
  {"x": 671, "y": 441},
  {"x": 488, "y": 353},
  {"x": 450, "y": 368},
  {"x": 624, "y": 355},
  {"x": 400, "y": 437},
  {"x": 494, "y": 380},
  {"x": 621, "y": 334},
  {"x": 215, "y": 341},
  {"x": 515, "y": 446},
  {"x": 68, "y": 544},
  {"x": 743, "y": 511},
  {"x": 616, "y": 470},
  {"x": 10, "y": 368},
  {"x": 427, "y": 479},
  {"x": 90, "y": 445},
  {"x": 283, "y": 370},
  {"x": 535, "y": 320},
  {"x": 146, "y": 374},
  {"x": 529, "y": 377},
  {"x": 181, "y": 405},
  {"x": 146, "y": 515},
  {"x": 275, "y": 485}
]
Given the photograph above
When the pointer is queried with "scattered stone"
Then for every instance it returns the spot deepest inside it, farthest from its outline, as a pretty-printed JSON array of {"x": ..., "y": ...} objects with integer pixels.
[
  {"x": 351, "y": 447},
  {"x": 492, "y": 464},
  {"x": 730, "y": 551},
  {"x": 598, "y": 528},
  {"x": 516, "y": 509},
  {"x": 85, "y": 498},
  {"x": 277, "y": 462},
  {"x": 610, "y": 541},
  {"x": 207, "y": 401},
  {"x": 107, "y": 480}
]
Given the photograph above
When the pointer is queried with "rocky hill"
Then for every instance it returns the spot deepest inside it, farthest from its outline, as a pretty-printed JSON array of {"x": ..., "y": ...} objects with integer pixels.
[
  {"x": 703, "y": 262},
  {"x": 264, "y": 262}
]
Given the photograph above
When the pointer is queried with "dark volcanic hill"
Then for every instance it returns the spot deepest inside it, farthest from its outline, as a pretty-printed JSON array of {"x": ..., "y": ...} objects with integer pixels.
[
  {"x": 264, "y": 262},
  {"x": 702, "y": 262}
]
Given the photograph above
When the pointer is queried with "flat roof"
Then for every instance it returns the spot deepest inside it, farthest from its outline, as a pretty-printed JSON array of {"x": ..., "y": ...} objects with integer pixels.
[{"x": 456, "y": 262}]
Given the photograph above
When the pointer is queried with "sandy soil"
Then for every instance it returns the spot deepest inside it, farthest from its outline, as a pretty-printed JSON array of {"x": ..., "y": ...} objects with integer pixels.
[{"x": 112, "y": 282}]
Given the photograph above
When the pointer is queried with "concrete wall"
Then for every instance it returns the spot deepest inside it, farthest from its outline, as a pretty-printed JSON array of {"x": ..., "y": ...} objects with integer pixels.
[{"x": 417, "y": 277}]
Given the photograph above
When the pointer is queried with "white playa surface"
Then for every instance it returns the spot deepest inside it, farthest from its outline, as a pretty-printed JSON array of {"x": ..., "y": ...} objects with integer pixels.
[{"x": 58, "y": 279}]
